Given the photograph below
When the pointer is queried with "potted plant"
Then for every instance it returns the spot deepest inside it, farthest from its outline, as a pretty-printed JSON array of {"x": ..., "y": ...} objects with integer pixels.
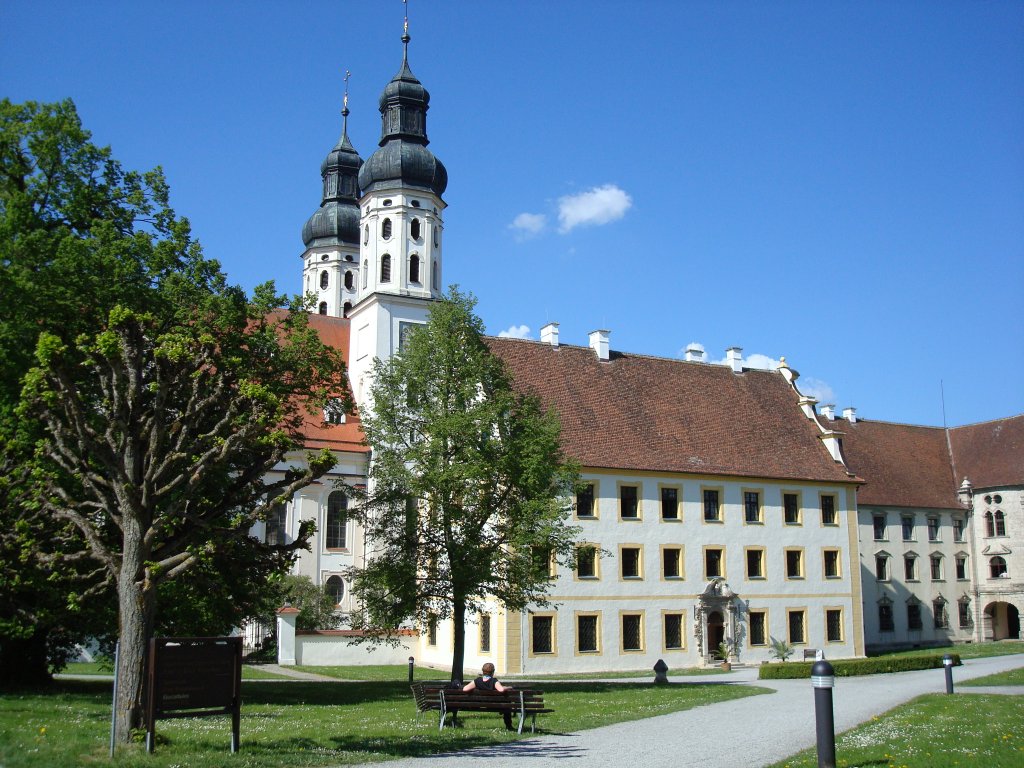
[{"x": 722, "y": 653}]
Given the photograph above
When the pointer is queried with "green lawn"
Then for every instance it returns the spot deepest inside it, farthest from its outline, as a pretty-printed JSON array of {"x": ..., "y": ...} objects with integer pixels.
[
  {"x": 967, "y": 650},
  {"x": 249, "y": 672},
  {"x": 309, "y": 723},
  {"x": 1010, "y": 677},
  {"x": 400, "y": 673},
  {"x": 933, "y": 731}
]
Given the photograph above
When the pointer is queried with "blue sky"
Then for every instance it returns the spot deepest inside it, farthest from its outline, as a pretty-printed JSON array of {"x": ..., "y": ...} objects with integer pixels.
[{"x": 841, "y": 183}]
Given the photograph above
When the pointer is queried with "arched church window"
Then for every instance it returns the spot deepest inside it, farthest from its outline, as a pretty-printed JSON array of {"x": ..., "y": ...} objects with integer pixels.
[
  {"x": 335, "y": 587},
  {"x": 385, "y": 229},
  {"x": 323, "y": 308},
  {"x": 324, "y": 279},
  {"x": 436, "y": 237},
  {"x": 337, "y": 520},
  {"x": 346, "y": 309},
  {"x": 366, "y": 234},
  {"x": 1000, "y": 523},
  {"x": 414, "y": 229},
  {"x": 385, "y": 268},
  {"x": 997, "y": 567},
  {"x": 433, "y": 275},
  {"x": 277, "y": 525},
  {"x": 414, "y": 268},
  {"x": 348, "y": 279},
  {"x": 990, "y": 526}
]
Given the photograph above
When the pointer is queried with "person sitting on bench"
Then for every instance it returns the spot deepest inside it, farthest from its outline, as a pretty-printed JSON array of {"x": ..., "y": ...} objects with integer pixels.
[{"x": 488, "y": 682}]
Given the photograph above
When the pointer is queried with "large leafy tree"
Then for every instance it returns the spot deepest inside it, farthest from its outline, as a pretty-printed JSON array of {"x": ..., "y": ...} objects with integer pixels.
[
  {"x": 469, "y": 490},
  {"x": 160, "y": 412}
]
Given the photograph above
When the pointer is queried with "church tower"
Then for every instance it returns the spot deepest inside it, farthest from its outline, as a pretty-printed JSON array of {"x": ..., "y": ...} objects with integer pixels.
[
  {"x": 331, "y": 260},
  {"x": 400, "y": 228}
]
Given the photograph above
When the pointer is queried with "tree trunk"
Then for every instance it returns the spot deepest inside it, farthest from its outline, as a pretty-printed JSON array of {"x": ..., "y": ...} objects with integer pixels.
[
  {"x": 136, "y": 604},
  {"x": 459, "y": 638}
]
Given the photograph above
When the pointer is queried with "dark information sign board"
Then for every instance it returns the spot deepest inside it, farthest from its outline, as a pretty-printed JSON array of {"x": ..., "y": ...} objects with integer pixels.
[{"x": 194, "y": 677}]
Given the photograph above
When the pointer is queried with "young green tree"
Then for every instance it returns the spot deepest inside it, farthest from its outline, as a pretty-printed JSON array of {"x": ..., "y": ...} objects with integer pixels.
[
  {"x": 161, "y": 413},
  {"x": 469, "y": 490}
]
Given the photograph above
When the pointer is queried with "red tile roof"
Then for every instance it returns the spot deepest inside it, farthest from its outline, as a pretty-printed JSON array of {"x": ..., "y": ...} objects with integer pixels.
[
  {"x": 990, "y": 454},
  {"x": 333, "y": 332},
  {"x": 636, "y": 412},
  {"x": 903, "y": 465}
]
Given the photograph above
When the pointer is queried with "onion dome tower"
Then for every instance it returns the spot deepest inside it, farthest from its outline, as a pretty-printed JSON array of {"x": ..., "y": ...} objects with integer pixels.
[
  {"x": 400, "y": 227},
  {"x": 402, "y": 184},
  {"x": 331, "y": 235}
]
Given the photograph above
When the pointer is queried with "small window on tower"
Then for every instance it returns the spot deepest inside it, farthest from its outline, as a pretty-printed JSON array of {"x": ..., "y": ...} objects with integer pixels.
[
  {"x": 385, "y": 268},
  {"x": 348, "y": 279},
  {"x": 414, "y": 268},
  {"x": 415, "y": 203},
  {"x": 324, "y": 279},
  {"x": 323, "y": 308},
  {"x": 433, "y": 279},
  {"x": 366, "y": 234},
  {"x": 346, "y": 309},
  {"x": 414, "y": 229},
  {"x": 385, "y": 229}
]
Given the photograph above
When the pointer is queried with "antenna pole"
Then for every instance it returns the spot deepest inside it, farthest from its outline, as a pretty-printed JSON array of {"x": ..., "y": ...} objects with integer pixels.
[{"x": 942, "y": 393}]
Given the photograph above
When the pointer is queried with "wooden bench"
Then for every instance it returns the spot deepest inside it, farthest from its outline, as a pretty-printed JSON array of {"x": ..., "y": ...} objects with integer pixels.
[
  {"x": 443, "y": 698},
  {"x": 427, "y": 696}
]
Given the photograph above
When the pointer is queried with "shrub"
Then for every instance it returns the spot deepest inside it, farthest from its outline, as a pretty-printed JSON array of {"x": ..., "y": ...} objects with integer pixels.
[{"x": 855, "y": 667}]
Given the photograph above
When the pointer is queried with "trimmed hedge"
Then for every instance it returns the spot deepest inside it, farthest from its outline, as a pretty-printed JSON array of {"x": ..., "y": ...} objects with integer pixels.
[{"x": 793, "y": 670}]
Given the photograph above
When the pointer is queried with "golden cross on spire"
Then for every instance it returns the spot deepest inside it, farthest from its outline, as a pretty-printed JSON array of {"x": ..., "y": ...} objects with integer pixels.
[{"x": 347, "y": 76}]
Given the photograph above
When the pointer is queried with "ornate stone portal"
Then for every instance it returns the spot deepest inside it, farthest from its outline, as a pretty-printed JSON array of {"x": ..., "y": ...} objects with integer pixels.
[{"x": 716, "y": 619}]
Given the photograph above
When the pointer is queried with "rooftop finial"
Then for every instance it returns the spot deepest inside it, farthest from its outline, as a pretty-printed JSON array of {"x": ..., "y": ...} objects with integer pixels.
[
  {"x": 344, "y": 108},
  {"x": 405, "y": 30}
]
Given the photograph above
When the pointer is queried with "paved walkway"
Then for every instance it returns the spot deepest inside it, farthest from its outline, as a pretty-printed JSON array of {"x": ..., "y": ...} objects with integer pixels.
[{"x": 744, "y": 733}]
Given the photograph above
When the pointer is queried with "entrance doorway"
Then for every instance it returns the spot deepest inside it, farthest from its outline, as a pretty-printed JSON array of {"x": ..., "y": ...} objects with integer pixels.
[
  {"x": 716, "y": 631},
  {"x": 1002, "y": 621}
]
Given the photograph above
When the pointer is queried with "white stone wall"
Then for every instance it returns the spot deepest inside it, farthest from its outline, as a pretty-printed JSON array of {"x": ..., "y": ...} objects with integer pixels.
[
  {"x": 610, "y": 595},
  {"x": 994, "y": 594},
  {"x": 924, "y": 589}
]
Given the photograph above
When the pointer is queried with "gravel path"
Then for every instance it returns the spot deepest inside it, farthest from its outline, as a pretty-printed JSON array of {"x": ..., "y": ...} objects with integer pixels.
[{"x": 744, "y": 733}]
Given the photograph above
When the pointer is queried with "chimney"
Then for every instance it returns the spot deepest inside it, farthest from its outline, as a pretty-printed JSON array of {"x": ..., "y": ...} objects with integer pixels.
[
  {"x": 599, "y": 343},
  {"x": 549, "y": 334},
  {"x": 850, "y": 414},
  {"x": 694, "y": 353},
  {"x": 828, "y": 410},
  {"x": 734, "y": 356}
]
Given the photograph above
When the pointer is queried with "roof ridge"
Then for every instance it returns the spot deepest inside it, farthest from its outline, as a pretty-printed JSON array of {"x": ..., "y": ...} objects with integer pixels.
[{"x": 645, "y": 355}]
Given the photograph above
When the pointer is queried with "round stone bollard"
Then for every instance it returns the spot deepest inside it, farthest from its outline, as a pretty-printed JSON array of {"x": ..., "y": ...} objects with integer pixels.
[
  {"x": 947, "y": 663},
  {"x": 660, "y": 670},
  {"x": 823, "y": 679}
]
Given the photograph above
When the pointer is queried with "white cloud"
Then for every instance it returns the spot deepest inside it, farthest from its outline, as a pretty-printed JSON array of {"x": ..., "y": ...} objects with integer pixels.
[
  {"x": 527, "y": 225},
  {"x": 515, "y": 332},
  {"x": 816, "y": 388},
  {"x": 762, "y": 362},
  {"x": 596, "y": 206}
]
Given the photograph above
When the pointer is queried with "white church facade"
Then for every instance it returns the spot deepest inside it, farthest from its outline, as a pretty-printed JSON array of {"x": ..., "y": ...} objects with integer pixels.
[{"x": 721, "y": 505}]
